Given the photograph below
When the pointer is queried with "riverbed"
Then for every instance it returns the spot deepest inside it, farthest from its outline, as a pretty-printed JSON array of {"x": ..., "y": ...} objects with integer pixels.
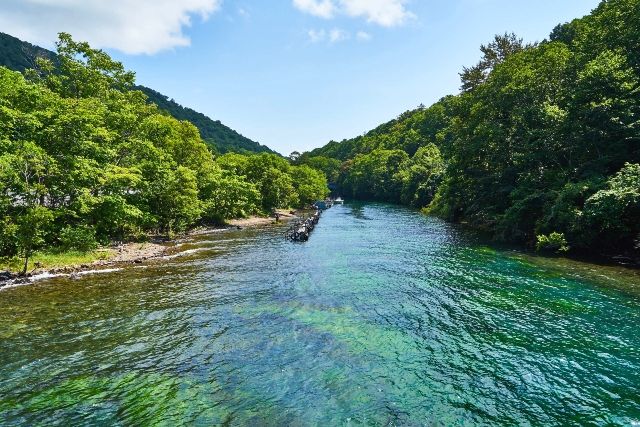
[{"x": 384, "y": 317}]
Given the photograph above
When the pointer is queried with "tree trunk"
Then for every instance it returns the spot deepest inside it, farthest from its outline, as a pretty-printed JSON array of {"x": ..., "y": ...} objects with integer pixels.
[{"x": 26, "y": 263}]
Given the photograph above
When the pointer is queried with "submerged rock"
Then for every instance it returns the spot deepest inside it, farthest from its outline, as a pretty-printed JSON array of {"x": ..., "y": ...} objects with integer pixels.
[{"x": 5, "y": 275}]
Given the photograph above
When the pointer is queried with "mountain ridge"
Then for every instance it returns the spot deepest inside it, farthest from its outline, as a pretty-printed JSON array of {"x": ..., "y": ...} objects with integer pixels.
[{"x": 18, "y": 55}]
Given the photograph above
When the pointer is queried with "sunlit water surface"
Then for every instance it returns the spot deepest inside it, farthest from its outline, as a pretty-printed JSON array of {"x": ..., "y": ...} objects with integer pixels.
[{"x": 385, "y": 317}]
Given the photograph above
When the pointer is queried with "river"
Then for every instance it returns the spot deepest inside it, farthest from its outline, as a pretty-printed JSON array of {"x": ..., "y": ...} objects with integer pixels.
[{"x": 385, "y": 317}]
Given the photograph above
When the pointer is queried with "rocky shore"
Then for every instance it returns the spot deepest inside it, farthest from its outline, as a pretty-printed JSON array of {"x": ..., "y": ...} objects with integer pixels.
[{"x": 136, "y": 253}]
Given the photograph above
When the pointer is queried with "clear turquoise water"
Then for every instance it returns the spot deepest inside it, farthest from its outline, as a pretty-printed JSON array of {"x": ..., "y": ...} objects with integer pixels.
[{"x": 385, "y": 317}]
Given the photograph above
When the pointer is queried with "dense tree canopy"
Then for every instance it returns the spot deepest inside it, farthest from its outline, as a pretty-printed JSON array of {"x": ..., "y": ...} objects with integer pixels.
[
  {"x": 84, "y": 158},
  {"x": 280, "y": 183},
  {"x": 544, "y": 140}
]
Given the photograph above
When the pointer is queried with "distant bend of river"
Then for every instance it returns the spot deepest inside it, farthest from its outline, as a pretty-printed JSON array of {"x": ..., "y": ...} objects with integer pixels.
[{"x": 385, "y": 317}]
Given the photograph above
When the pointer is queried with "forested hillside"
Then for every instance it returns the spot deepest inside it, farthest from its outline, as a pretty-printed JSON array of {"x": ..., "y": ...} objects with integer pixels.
[
  {"x": 85, "y": 159},
  {"x": 214, "y": 133},
  {"x": 20, "y": 56},
  {"x": 541, "y": 147}
]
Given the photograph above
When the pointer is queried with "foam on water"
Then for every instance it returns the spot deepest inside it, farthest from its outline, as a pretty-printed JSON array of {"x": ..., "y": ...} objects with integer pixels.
[
  {"x": 45, "y": 276},
  {"x": 102, "y": 271},
  {"x": 184, "y": 253},
  {"x": 48, "y": 275}
]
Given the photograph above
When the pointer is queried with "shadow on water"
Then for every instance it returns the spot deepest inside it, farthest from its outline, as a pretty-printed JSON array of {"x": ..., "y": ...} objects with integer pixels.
[{"x": 384, "y": 317}]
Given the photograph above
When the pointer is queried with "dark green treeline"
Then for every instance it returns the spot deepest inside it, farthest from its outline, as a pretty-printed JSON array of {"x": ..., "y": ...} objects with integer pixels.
[{"x": 541, "y": 145}]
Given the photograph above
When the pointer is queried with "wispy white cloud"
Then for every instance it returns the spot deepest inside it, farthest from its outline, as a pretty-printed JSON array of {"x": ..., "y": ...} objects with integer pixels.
[
  {"x": 387, "y": 13},
  {"x": 321, "y": 8},
  {"x": 337, "y": 35},
  {"x": 316, "y": 36},
  {"x": 334, "y": 35},
  {"x": 130, "y": 26},
  {"x": 363, "y": 36}
]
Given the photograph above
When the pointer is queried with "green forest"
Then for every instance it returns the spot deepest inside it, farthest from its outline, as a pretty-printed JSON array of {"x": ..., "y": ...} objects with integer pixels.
[
  {"x": 18, "y": 55},
  {"x": 85, "y": 160},
  {"x": 541, "y": 147},
  {"x": 216, "y": 135}
]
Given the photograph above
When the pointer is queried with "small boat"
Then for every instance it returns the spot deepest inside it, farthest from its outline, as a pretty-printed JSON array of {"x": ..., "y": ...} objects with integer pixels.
[{"x": 339, "y": 201}]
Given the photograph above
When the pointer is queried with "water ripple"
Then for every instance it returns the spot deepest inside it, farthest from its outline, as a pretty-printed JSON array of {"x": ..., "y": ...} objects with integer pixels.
[{"x": 385, "y": 317}]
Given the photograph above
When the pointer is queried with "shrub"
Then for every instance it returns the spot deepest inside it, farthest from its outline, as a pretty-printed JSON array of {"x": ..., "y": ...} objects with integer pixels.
[
  {"x": 613, "y": 212},
  {"x": 8, "y": 240},
  {"x": 555, "y": 242},
  {"x": 82, "y": 239}
]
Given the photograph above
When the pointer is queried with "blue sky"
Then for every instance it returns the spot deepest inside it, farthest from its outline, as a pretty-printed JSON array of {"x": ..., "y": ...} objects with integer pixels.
[{"x": 293, "y": 74}]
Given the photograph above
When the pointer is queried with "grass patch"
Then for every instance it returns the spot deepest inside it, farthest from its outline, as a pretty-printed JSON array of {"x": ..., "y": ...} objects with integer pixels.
[{"x": 49, "y": 260}]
